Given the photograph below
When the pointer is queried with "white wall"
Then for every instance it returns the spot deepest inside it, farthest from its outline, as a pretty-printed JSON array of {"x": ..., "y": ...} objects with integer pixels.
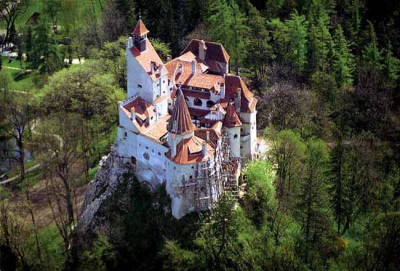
[
  {"x": 234, "y": 141},
  {"x": 138, "y": 76}
]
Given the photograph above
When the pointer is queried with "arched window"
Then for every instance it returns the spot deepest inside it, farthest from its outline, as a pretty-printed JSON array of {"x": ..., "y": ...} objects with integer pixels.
[
  {"x": 210, "y": 103},
  {"x": 197, "y": 102}
]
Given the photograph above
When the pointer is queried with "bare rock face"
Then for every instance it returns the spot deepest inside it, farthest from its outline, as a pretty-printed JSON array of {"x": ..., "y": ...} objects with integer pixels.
[{"x": 109, "y": 177}]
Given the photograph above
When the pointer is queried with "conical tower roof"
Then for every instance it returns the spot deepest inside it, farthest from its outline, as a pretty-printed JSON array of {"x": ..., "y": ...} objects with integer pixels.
[
  {"x": 140, "y": 29},
  {"x": 231, "y": 118},
  {"x": 180, "y": 122}
]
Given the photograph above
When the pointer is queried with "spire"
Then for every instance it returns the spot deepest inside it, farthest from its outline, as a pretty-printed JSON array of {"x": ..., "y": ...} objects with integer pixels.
[
  {"x": 180, "y": 122},
  {"x": 231, "y": 117},
  {"x": 140, "y": 29}
]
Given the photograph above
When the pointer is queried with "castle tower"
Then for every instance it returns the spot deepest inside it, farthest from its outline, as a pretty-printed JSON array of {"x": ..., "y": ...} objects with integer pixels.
[
  {"x": 232, "y": 126},
  {"x": 180, "y": 125},
  {"x": 140, "y": 35}
]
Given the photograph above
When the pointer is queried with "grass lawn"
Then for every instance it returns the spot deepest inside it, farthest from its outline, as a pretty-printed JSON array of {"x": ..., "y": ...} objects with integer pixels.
[{"x": 23, "y": 80}]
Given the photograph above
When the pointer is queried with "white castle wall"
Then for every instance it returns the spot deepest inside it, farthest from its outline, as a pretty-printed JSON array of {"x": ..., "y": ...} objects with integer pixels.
[
  {"x": 234, "y": 141},
  {"x": 137, "y": 77},
  {"x": 249, "y": 134}
]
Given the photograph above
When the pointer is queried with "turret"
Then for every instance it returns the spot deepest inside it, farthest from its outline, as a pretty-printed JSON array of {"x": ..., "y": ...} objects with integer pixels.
[
  {"x": 232, "y": 126},
  {"x": 180, "y": 125},
  {"x": 140, "y": 35}
]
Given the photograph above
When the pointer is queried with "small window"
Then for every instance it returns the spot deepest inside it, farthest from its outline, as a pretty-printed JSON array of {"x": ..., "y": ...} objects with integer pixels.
[
  {"x": 152, "y": 118},
  {"x": 197, "y": 102},
  {"x": 125, "y": 134},
  {"x": 139, "y": 86},
  {"x": 191, "y": 177},
  {"x": 147, "y": 148},
  {"x": 159, "y": 153},
  {"x": 235, "y": 136},
  {"x": 146, "y": 156},
  {"x": 210, "y": 103}
]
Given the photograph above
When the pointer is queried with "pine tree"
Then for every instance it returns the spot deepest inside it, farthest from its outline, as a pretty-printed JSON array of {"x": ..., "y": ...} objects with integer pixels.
[
  {"x": 297, "y": 31},
  {"x": 290, "y": 40},
  {"x": 319, "y": 46},
  {"x": 227, "y": 26},
  {"x": 343, "y": 59},
  {"x": 371, "y": 54},
  {"x": 313, "y": 206},
  {"x": 259, "y": 50},
  {"x": 391, "y": 66}
]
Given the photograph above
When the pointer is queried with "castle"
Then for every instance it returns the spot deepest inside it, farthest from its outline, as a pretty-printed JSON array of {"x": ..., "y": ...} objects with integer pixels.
[{"x": 187, "y": 123}]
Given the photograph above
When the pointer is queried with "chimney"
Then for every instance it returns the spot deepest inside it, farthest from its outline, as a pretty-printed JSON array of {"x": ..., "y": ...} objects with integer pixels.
[
  {"x": 204, "y": 149},
  {"x": 129, "y": 43},
  {"x": 161, "y": 68},
  {"x": 180, "y": 69},
  {"x": 173, "y": 148},
  {"x": 133, "y": 115},
  {"x": 238, "y": 99},
  {"x": 152, "y": 67},
  {"x": 193, "y": 66},
  {"x": 222, "y": 91},
  {"x": 202, "y": 50},
  {"x": 207, "y": 136},
  {"x": 237, "y": 70},
  {"x": 169, "y": 58}
]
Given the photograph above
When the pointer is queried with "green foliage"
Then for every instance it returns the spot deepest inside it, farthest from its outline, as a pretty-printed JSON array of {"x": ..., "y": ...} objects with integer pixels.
[
  {"x": 391, "y": 66},
  {"x": 287, "y": 152},
  {"x": 82, "y": 89},
  {"x": 259, "y": 200},
  {"x": 382, "y": 243},
  {"x": 161, "y": 48},
  {"x": 258, "y": 48},
  {"x": 343, "y": 60},
  {"x": 51, "y": 251},
  {"x": 45, "y": 55},
  {"x": 290, "y": 38},
  {"x": 228, "y": 28},
  {"x": 99, "y": 257}
]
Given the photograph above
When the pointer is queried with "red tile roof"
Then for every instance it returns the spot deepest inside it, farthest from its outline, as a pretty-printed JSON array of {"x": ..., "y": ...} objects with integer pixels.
[
  {"x": 145, "y": 59},
  {"x": 231, "y": 117},
  {"x": 198, "y": 112},
  {"x": 180, "y": 122},
  {"x": 232, "y": 83},
  {"x": 140, "y": 29},
  {"x": 215, "y": 52},
  {"x": 142, "y": 109},
  {"x": 196, "y": 94},
  {"x": 189, "y": 151},
  {"x": 202, "y": 133}
]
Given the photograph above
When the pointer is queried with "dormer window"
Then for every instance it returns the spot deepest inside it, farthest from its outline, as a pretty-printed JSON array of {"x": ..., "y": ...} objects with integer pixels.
[{"x": 197, "y": 102}]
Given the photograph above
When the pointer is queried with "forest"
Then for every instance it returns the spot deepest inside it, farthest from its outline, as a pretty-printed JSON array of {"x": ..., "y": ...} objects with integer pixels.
[{"x": 327, "y": 77}]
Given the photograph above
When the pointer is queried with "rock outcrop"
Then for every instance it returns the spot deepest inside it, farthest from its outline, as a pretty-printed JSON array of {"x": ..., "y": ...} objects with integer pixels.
[{"x": 112, "y": 172}]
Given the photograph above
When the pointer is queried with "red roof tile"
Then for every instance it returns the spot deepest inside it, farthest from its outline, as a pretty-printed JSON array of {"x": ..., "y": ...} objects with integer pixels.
[
  {"x": 189, "y": 151},
  {"x": 196, "y": 94},
  {"x": 232, "y": 83},
  {"x": 215, "y": 51},
  {"x": 140, "y": 29},
  {"x": 231, "y": 117},
  {"x": 145, "y": 59},
  {"x": 142, "y": 109}
]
